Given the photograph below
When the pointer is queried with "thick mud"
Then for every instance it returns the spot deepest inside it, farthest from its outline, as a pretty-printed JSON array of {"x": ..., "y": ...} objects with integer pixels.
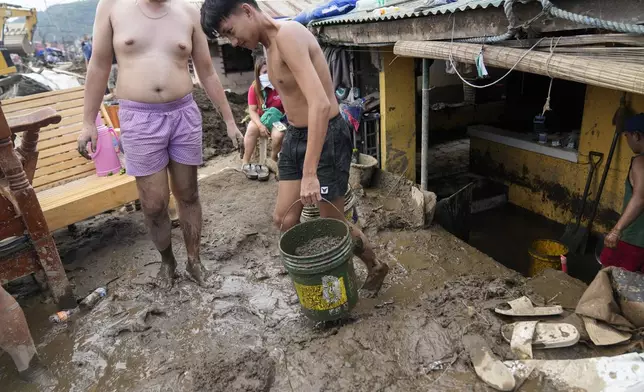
[
  {"x": 318, "y": 245},
  {"x": 215, "y": 139},
  {"x": 246, "y": 333}
]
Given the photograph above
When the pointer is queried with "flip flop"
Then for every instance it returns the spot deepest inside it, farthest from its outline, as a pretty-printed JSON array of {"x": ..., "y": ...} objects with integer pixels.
[
  {"x": 522, "y": 307},
  {"x": 487, "y": 366},
  {"x": 250, "y": 171},
  {"x": 262, "y": 173},
  {"x": 525, "y": 335}
]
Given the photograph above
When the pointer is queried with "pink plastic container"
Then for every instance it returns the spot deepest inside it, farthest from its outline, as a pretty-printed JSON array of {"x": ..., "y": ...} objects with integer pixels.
[{"x": 105, "y": 157}]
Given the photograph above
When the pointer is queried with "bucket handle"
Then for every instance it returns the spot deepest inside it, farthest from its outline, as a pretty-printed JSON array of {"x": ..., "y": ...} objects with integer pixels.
[{"x": 300, "y": 201}]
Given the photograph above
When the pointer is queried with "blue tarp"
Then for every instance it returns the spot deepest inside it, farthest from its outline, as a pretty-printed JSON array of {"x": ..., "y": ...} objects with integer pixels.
[{"x": 332, "y": 8}]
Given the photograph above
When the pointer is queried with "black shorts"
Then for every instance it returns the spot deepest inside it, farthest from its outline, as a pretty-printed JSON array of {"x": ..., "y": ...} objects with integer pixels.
[{"x": 335, "y": 159}]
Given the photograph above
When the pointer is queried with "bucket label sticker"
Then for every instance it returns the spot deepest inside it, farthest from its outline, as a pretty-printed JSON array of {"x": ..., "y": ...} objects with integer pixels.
[{"x": 329, "y": 295}]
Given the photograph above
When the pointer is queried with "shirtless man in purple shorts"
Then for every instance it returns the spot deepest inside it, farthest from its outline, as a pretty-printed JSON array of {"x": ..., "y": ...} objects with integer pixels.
[
  {"x": 316, "y": 151},
  {"x": 160, "y": 122}
]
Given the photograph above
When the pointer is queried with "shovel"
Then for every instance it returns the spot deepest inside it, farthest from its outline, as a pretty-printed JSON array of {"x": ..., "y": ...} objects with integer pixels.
[
  {"x": 618, "y": 120},
  {"x": 573, "y": 236}
]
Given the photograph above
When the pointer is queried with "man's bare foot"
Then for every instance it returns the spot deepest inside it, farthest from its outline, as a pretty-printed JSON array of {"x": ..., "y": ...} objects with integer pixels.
[
  {"x": 197, "y": 271},
  {"x": 39, "y": 375},
  {"x": 165, "y": 277},
  {"x": 375, "y": 278}
]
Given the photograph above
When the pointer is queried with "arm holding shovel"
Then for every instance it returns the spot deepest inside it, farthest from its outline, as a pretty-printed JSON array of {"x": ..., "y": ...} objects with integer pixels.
[
  {"x": 630, "y": 226},
  {"x": 635, "y": 206}
]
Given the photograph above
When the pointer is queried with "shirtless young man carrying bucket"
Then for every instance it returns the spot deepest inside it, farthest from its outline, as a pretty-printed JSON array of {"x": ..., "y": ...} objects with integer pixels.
[
  {"x": 316, "y": 151},
  {"x": 160, "y": 122}
]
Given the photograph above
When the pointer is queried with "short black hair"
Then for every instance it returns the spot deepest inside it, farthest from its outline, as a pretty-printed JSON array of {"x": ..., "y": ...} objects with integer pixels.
[
  {"x": 635, "y": 124},
  {"x": 213, "y": 12}
]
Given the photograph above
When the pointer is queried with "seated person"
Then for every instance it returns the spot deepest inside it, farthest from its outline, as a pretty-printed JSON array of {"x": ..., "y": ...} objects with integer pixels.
[{"x": 261, "y": 97}]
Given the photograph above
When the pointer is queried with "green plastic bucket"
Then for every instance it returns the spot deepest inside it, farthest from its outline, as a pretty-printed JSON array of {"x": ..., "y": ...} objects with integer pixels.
[{"x": 326, "y": 282}]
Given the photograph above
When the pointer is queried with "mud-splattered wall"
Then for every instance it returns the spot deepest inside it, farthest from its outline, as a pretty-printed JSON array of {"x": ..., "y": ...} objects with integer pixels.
[
  {"x": 553, "y": 187},
  {"x": 397, "y": 121}
]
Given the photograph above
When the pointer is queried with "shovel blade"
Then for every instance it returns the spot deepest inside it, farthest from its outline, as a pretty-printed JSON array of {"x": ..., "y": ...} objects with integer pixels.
[{"x": 575, "y": 238}]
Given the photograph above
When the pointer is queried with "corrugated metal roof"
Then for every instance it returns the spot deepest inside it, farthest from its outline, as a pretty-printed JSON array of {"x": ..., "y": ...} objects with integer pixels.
[
  {"x": 280, "y": 8},
  {"x": 408, "y": 9}
]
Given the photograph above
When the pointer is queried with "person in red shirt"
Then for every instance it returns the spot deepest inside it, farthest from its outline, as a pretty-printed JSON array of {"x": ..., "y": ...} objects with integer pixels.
[{"x": 261, "y": 96}]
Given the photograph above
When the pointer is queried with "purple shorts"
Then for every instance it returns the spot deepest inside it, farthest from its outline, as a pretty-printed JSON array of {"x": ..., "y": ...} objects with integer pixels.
[{"x": 152, "y": 134}]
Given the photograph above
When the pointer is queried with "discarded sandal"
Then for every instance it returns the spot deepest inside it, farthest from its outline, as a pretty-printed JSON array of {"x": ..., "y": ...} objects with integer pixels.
[
  {"x": 487, "y": 366},
  {"x": 525, "y": 335},
  {"x": 522, "y": 307}
]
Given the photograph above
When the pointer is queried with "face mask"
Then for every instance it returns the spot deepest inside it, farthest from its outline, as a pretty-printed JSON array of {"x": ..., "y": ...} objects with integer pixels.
[{"x": 263, "y": 79}]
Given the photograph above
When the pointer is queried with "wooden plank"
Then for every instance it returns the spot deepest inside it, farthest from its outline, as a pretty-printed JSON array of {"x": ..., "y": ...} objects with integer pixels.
[
  {"x": 71, "y": 112},
  {"x": 44, "y": 180},
  {"x": 66, "y": 121},
  {"x": 72, "y": 206},
  {"x": 59, "y": 107},
  {"x": 59, "y": 184},
  {"x": 42, "y": 163},
  {"x": 52, "y": 134},
  {"x": 41, "y": 95},
  {"x": 106, "y": 117},
  {"x": 59, "y": 141},
  {"x": 50, "y": 152},
  {"x": 69, "y": 116},
  {"x": 10, "y": 107},
  {"x": 83, "y": 187},
  {"x": 60, "y": 166},
  {"x": 56, "y": 159}
]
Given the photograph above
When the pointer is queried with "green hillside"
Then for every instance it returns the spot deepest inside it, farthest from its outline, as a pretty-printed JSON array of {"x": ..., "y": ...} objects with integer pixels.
[{"x": 66, "y": 22}]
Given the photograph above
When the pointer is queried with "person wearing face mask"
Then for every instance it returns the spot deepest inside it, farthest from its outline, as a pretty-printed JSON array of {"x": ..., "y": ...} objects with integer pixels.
[{"x": 265, "y": 107}]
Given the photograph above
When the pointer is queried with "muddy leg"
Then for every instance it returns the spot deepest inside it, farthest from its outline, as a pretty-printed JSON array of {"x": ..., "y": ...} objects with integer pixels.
[
  {"x": 16, "y": 340},
  {"x": 154, "y": 195},
  {"x": 186, "y": 191},
  {"x": 377, "y": 271},
  {"x": 287, "y": 193}
]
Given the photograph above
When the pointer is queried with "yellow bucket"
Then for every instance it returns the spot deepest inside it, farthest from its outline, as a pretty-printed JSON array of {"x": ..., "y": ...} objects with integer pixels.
[{"x": 546, "y": 254}]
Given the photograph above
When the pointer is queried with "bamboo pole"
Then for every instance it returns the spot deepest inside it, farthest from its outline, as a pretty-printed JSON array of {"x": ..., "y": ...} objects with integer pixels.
[{"x": 627, "y": 77}]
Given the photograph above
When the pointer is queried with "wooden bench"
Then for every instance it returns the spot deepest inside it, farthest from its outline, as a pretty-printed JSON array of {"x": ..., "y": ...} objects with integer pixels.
[{"x": 66, "y": 184}]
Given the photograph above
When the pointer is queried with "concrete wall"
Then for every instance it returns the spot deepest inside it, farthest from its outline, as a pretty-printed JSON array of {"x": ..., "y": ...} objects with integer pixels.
[
  {"x": 553, "y": 187},
  {"x": 237, "y": 82}
]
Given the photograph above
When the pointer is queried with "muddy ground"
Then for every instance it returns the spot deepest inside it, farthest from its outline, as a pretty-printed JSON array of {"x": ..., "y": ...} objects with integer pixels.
[
  {"x": 246, "y": 332},
  {"x": 215, "y": 139}
]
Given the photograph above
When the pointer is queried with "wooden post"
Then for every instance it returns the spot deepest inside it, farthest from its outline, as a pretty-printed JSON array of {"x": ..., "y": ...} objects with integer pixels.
[{"x": 398, "y": 115}]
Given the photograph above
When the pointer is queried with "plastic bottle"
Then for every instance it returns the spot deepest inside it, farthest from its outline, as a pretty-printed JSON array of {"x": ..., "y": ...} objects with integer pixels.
[
  {"x": 92, "y": 299},
  {"x": 564, "y": 263},
  {"x": 355, "y": 156},
  {"x": 63, "y": 315}
]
